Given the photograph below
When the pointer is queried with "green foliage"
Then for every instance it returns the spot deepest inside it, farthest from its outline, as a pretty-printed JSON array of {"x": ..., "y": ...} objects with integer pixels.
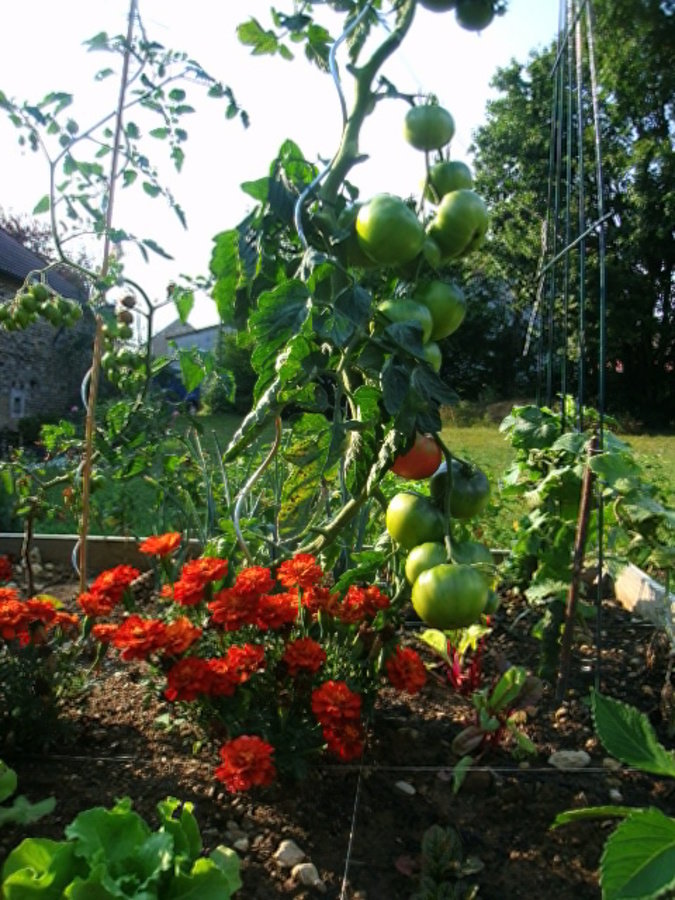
[
  {"x": 512, "y": 159},
  {"x": 444, "y": 867},
  {"x": 21, "y": 811},
  {"x": 546, "y": 477},
  {"x": 638, "y": 859},
  {"x": 114, "y": 852}
]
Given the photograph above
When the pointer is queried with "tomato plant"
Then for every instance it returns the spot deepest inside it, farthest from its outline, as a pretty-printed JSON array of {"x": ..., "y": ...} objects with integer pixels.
[
  {"x": 389, "y": 232},
  {"x": 446, "y": 303},
  {"x": 424, "y": 556},
  {"x": 469, "y": 489},
  {"x": 428, "y": 127},
  {"x": 421, "y": 461},
  {"x": 412, "y": 519},
  {"x": 450, "y": 596}
]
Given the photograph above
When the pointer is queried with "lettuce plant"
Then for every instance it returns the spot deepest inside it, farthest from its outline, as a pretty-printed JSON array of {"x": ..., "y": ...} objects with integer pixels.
[{"x": 113, "y": 853}]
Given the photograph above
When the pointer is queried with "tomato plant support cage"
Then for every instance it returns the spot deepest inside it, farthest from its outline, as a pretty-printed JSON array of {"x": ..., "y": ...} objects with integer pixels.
[{"x": 556, "y": 279}]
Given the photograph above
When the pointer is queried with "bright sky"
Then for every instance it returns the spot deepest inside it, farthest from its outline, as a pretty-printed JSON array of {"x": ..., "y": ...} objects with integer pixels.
[{"x": 42, "y": 51}]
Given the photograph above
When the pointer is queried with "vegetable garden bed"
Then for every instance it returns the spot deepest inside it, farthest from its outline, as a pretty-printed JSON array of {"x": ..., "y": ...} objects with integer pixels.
[{"x": 362, "y": 824}]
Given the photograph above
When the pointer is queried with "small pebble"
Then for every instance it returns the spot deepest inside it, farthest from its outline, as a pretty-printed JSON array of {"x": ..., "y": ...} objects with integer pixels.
[
  {"x": 306, "y": 873},
  {"x": 241, "y": 845},
  {"x": 610, "y": 763},
  {"x": 616, "y": 796},
  {"x": 288, "y": 854},
  {"x": 569, "y": 759},
  {"x": 405, "y": 788}
]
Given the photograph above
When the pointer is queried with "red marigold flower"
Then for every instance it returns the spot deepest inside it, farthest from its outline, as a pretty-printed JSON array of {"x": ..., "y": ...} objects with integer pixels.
[
  {"x": 243, "y": 661},
  {"x": 277, "y": 610},
  {"x": 232, "y": 610},
  {"x": 334, "y": 703},
  {"x": 254, "y": 581},
  {"x": 405, "y": 670},
  {"x": 187, "y": 679},
  {"x": 246, "y": 763},
  {"x": 362, "y": 603},
  {"x": 5, "y": 568},
  {"x": 137, "y": 638},
  {"x": 7, "y": 593},
  {"x": 114, "y": 582},
  {"x": 104, "y": 632},
  {"x": 346, "y": 742},
  {"x": 301, "y": 571},
  {"x": 66, "y": 621},
  {"x": 161, "y": 544},
  {"x": 188, "y": 591},
  {"x": 204, "y": 569},
  {"x": 13, "y": 619},
  {"x": 96, "y": 605},
  {"x": 319, "y": 599},
  {"x": 179, "y": 635},
  {"x": 304, "y": 654},
  {"x": 222, "y": 682},
  {"x": 38, "y": 610}
]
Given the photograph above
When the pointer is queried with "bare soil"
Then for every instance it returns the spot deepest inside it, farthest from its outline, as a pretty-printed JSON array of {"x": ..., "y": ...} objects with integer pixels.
[{"x": 358, "y": 825}]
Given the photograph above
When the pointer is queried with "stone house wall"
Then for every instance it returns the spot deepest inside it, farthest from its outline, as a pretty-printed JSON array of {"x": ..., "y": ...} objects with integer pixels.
[{"x": 42, "y": 367}]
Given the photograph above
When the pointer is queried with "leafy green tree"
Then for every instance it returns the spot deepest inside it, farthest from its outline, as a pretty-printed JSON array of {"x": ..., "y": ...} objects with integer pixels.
[{"x": 636, "y": 91}]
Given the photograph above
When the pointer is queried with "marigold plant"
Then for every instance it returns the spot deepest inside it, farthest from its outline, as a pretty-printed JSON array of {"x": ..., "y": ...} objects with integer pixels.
[{"x": 277, "y": 664}]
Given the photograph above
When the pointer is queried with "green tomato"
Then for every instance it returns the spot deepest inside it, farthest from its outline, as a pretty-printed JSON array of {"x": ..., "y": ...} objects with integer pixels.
[
  {"x": 460, "y": 223},
  {"x": 432, "y": 253},
  {"x": 449, "y": 596},
  {"x": 428, "y": 127},
  {"x": 469, "y": 493},
  {"x": 432, "y": 353},
  {"x": 474, "y": 15},
  {"x": 412, "y": 519},
  {"x": 40, "y": 292},
  {"x": 471, "y": 553},
  {"x": 447, "y": 176},
  {"x": 408, "y": 311},
  {"x": 389, "y": 232},
  {"x": 446, "y": 303},
  {"x": 423, "y": 557}
]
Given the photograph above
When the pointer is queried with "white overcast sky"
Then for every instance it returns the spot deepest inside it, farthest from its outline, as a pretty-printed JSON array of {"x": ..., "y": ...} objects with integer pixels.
[{"x": 43, "y": 51}]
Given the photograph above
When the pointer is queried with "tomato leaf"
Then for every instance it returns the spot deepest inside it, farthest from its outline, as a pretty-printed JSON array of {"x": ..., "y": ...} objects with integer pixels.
[{"x": 639, "y": 857}]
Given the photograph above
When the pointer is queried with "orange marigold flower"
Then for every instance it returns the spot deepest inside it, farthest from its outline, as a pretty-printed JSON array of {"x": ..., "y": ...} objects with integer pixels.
[
  {"x": 333, "y": 703},
  {"x": 243, "y": 661},
  {"x": 179, "y": 636},
  {"x": 104, "y": 632},
  {"x": 161, "y": 544},
  {"x": 5, "y": 568},
  {"x": 301, "y": 571},
  {"x": 95, "y": 605},
  {"x": 405, "y": 670},
  {"x": 187, "y": 679},
  {"x": 114, "y": 582},
  {"x": 204, "y": 569},
  {"x": 346, "y": 742},
  {"x": 137, "y": 638},
  {"x": 8, "y": 594},
  {"x": 232, "y": 610},
  {"x": 253, "y": 581},
  {"x": 246, "y": 762},
  {"x": 304, "y": 655},
  {"x": 188, "y": 591},
  {"x": 319, "y": 599},
  {"x": 277, "y": 610}
]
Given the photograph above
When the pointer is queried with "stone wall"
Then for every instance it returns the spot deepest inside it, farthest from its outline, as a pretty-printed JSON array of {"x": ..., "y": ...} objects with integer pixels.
[{"x": 41, "y": 368}]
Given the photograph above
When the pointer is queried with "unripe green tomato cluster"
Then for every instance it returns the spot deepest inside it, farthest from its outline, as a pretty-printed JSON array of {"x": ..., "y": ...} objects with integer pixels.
[
  {"x": 37, "y": 302},
  {"x": 474, "y": 15},
  {"x": 123, "y": 366}
]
